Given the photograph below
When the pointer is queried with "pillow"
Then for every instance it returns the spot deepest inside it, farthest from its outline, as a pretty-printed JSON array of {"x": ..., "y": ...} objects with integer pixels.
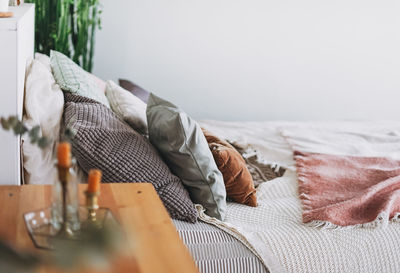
[
  {"x": 44, "y": 104},
  {"x": 135, "y": 90},
  {"x": 129, "y": 107},
  {"x": 44, "y": 59},
  {"x": 184, "y": 148},
  {"x": 105, "y": 142},
  {"x": 238, "y": 181},
  {"x": 72, "y": 78}
]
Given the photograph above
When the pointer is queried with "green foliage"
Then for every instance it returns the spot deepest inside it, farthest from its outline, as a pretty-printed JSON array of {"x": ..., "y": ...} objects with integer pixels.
[
  {"x": 12, "y": 260},
  {"x": 19, "y": 128},
  {"x": 68, "y": 26},
  {"x": 93, "y": 245},
  {"x": 68, "y": 135}
]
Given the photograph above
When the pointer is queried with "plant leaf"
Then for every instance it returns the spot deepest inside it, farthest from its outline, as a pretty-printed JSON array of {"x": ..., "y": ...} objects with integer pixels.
[
  {"x": 12, "y": 121},
  {"x": 43, "y": 142},
  {"x": 19, "y": 128},
  {"x": 34, "y": 132},
  {"x": 5, "y": 124}
]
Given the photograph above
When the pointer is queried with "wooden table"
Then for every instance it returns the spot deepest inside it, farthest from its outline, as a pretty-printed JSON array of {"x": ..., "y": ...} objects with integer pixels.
[{"x": 136, "y": 206}]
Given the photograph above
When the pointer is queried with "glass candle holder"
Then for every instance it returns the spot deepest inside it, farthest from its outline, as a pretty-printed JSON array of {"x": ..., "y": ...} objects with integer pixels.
[{"x": 65, "y": 202}]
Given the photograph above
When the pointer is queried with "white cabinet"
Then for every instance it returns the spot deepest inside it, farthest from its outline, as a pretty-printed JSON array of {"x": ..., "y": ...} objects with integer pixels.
[{"x": 16, "y": 48}]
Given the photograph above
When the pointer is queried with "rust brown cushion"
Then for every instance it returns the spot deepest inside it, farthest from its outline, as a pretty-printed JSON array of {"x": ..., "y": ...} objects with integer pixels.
[{"x": 238, "y": 181}]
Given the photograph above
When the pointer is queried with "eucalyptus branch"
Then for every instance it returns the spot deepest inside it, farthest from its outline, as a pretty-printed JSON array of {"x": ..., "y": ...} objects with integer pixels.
[
  {"x": 12, "y": 123},
  {"x": 19, "y": 128}
]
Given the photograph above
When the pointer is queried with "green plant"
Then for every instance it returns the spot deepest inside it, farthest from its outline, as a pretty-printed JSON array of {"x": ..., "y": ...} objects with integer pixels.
[
  {"x": 68, "y": 26},
  {"x": 19, "y": 128},
  {"x": 93, "y": 248}
]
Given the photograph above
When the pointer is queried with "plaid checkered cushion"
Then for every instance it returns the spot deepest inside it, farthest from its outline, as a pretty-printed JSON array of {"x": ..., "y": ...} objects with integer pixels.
[{"x": 72, "y": 78}]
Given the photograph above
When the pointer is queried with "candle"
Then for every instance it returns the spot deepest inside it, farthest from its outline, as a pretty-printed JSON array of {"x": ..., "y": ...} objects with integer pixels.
[
  {"x": 94, "y": 180},
  {"x": 64, "y": 154}
]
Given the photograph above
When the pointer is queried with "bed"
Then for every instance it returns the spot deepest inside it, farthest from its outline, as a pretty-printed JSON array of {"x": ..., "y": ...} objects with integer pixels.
[
  {"x": 277, "y": 221},
  {"x": 272, "y": 236}
]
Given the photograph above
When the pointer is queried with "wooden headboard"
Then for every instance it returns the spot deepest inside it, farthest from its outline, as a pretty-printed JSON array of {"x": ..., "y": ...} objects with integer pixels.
[{"x": 17, "y": 47}]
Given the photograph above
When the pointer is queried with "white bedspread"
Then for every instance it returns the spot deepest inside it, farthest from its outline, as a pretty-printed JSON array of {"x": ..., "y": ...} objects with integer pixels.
[{"x": 275, "y": 227}]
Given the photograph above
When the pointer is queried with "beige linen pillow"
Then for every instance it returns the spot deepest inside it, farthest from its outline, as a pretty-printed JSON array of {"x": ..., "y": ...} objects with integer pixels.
[{"x": 126, "y": 105}]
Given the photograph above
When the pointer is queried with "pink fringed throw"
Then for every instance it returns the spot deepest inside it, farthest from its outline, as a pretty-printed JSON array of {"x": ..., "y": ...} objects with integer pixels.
[
  {"x": 348, "y": 173},
  {"x": 341, "y": 190}
]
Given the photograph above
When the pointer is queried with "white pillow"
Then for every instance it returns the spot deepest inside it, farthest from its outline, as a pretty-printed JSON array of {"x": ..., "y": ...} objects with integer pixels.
[
  {"x": 44, "y": 104},
  {"x": 44, "y": 59},
  {"x": 129, "y": 107}
]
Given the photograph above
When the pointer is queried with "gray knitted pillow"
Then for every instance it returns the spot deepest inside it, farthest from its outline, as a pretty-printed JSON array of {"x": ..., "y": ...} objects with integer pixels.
[{"x": 105, "y": 142}]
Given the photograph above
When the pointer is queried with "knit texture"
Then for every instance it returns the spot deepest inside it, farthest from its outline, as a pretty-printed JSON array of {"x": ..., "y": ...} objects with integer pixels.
[
  {"x": 105, "y": 142},
  {"x": 276, "y": 232}
]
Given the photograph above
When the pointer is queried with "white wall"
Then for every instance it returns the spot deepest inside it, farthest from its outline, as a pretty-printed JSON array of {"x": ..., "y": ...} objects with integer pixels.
[{"x": 258, "y": 59}]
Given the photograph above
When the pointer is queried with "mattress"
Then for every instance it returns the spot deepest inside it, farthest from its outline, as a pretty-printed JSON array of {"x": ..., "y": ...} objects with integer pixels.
[{"x": 215, "y": 251}]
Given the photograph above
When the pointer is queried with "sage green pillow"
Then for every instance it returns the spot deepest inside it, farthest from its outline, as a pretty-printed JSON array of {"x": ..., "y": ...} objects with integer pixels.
[
  {"x": 72, "y": 78},
  {"x": 184, "y": 148}
]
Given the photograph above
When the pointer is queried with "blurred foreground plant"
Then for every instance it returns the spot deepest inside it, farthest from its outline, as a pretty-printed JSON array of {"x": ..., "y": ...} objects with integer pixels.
[
  {"x": 19, "y": 128},
  {"x": 94, "y": 248},
  {"x": 68, "y": 26}
]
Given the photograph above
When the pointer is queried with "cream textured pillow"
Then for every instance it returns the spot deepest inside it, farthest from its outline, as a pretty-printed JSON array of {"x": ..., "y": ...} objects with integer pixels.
[
  {"x": 126, "y": 105},
  {"x": 44, "y": 103}
]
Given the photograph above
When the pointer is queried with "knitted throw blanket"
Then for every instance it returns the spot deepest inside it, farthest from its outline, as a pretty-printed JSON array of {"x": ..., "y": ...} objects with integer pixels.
[{"x": 355, "y": 185}]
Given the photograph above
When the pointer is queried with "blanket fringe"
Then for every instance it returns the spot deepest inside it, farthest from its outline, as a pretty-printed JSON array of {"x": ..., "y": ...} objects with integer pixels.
[
  {"x": 396, "y": 218},
  {"x": 250, "y": 152},
  {"x": 381, "y": 221}
]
